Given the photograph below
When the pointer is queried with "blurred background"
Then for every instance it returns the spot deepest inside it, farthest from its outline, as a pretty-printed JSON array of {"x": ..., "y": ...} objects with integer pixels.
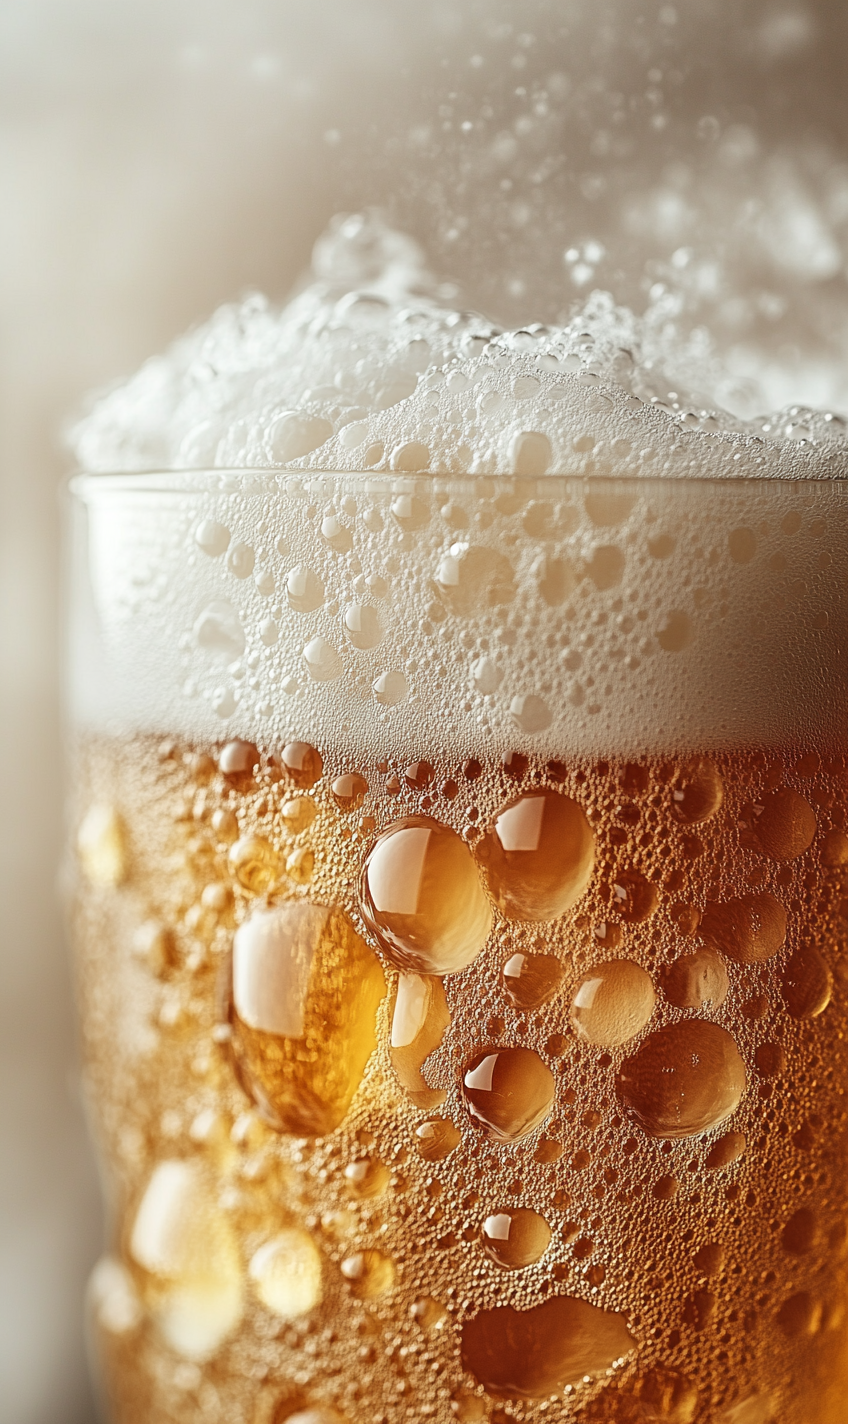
[{"x": 158, "y": 158}]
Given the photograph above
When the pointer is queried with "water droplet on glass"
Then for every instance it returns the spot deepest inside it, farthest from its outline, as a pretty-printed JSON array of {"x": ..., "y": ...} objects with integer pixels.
[
  {"x": 472, "y": 579},
  {"x": 611, "y": 1003},
  {"x": 322, "y": 661},
  {"x": 682, "y": 1080},
  {"x": 301, "y": 763},
  {"x": 531, "y": 980},
  {"x": 538, "y": 856},
  {"x": 749, "y": 930},
  {"x": 362, "y": 625},
  {"x": 390, "y": 688},
  {"x": 487, "y": 675},
  {"x": 515, "y": 1237},
  {"x": 286, "y": 1274},
  {"x": 237, "y": 762},
  {"x": 531, "y": 713},
  {"x": 727, "y": 1150},
  {"x": 101, "y": 846},
  {"x": 349, "y": 791},
  {"x": 696, "y": 792},
  {"x": 367, "y": 1178},
  {"x": 304, "y": 590},
  {"x": 419, "y": 1021},
  {"x": 696, "y": 981},
  {"x": 437, "y": 1138},
  {"x": 218, "y": 631},
  {"x": 212, "y": 538},
  {"x": 508, "y": 1092},
  {"x": 240, "y": 561},
  {"x": 305, "y": 992},
  {"x": 298, "y": 813},
  {"x": 782, "y": 825},
  {"x": 422, "y": 898},
  {"x": 186, "y": 1248},
  {"x": 255, "y": 863},
  {"x": 530, "y": 1354},
  {"x": 369, "y": 1274},
  {"x": 807, "y": 983}
]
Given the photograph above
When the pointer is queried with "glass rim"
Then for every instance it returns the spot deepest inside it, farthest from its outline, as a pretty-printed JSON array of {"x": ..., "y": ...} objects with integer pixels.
[{"x": 267, "y": 481}]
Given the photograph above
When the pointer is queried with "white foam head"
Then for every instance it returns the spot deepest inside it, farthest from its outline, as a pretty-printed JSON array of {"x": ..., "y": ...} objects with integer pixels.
[{"x": 543, "y": 605}]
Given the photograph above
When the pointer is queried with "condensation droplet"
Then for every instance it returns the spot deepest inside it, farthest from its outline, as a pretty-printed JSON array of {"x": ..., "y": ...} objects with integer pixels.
[
  {"x": 611, "y": 1003},
  {"x": 286, "y": 1274},
  {"x": 684, "y": 1079},
  {"x": 305, "y": 993},
  {"x": 696, "y": 981},
  {"x": 422, "y": 898},
  {"x": 515, "y": 1237},
  {"x": 304, "y": 590},
  {"x": 696, "y": 792},
  {"x": 749, "y": 930},
  {"x": 369, "y": 1274},
  {"x": 807, "y": 983},
  {"x": 531, "y": 980},
  {"x": 437, "y": 1138},
  {"x": 212, "y": 538},
  {"x": 420, "y": 1019},
  {"x": 531, "y": 1354},
  {"x": 538, "y": 856},
  {"x": 362, "y": 625},
  {"x": 508, "y": 1092}
]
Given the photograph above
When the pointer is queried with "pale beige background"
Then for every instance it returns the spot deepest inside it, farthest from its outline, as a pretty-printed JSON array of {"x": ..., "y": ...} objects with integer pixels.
[{"x": 160, "y": 156}]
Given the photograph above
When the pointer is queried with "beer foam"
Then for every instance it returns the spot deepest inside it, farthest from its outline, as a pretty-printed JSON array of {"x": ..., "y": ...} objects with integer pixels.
[{"x": 321, "y": 559}]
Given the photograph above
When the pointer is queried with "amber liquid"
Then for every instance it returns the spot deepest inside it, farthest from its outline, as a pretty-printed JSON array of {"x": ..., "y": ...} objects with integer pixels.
[{"x": 459, "y": 1091}]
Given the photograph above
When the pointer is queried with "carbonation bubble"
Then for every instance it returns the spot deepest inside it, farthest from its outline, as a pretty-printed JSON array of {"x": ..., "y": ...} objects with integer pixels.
[
  {"x": 304, "y": 590},
  {"x": 807, "y": 984},
  {"x": 437, "y": 1138},
  {"x": 508, "y": 1092},
  {"x": 187, "y": 1249},
  {"x": 531, "y": 980},
  {"x": 530, "y": 1354},
  {"x": 611, "y": 1003},
  {"x": 683, "y": 1080},
  {"x": 305, "y": 993},
  {"x": 419, "y": 1021},
  {"x": 696, "y": 792},
  {"x": 515, "y": 1237},
  {"x": 696, "y": 981},
  {"x": 538, "y": 856},
  {"x": 422, "y": 898},
  {"x": 471, "y": 580},
  {"x": 782, "y": 825},
  {"x": 369, "y": 1274},
  {"x": 101, "y": 846},
  {"x": 302, "y": 763},
  {"x": 237, "y": 761},
  {"x": 286, "y": 1274},
  {"x": 349, "y": 791},
  {"x": 749, "y": 930},
  {"x": 298, "y": 813}
]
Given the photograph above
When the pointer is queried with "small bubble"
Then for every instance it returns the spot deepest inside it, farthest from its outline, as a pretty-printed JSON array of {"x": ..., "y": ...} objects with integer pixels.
[
  {"x": 298, "y": 813},
  {"x": 531, "y": 713},
  {"x": 390, "y": 688},
  {"x": 367, "y": 1177},
  {"x": 322, "y": 661},
  {"x": 240, "y": 561},
  {"x": 725, "y": 1151}
]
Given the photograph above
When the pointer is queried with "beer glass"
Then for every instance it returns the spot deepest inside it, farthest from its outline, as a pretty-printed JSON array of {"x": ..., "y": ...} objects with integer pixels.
[{"x": 459, "y": 895}]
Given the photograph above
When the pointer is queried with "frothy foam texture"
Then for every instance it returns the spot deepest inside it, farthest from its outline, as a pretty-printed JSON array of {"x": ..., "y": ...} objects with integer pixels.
[{"x": 398, "y": 600}]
